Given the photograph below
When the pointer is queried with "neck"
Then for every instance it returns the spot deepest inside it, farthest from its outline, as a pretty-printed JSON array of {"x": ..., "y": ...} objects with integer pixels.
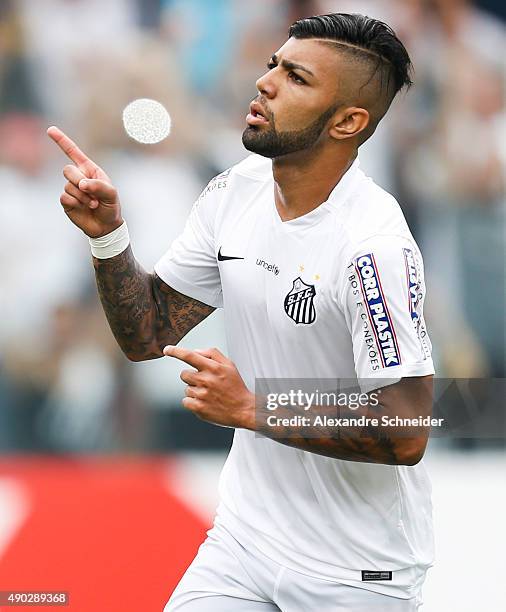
[{"x": 303, "y": 181}]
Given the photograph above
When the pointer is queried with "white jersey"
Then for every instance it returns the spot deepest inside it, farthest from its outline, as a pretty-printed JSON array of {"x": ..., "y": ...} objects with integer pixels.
[{"x": 336, "y": 293}]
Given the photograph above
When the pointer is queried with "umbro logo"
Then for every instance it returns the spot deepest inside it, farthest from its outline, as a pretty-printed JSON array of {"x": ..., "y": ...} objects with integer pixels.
[{"x": 226, "y": 257}]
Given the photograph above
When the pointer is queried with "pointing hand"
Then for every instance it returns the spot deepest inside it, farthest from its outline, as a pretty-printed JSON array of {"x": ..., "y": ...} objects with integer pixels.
[{"x": 89, "y": 199}]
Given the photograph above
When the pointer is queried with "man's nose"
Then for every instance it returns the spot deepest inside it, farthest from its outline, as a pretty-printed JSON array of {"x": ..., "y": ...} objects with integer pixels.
[{"x": 266, "y": 85}]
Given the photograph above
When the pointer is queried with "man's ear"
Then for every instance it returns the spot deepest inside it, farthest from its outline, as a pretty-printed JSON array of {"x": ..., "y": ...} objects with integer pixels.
[{"x": 349, "y": 123}]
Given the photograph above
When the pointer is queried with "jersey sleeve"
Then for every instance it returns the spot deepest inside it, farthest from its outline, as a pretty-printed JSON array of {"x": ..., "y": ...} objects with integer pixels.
[
  {"x": 190, "y": 266},
  {"x": 382, "y": 298}
]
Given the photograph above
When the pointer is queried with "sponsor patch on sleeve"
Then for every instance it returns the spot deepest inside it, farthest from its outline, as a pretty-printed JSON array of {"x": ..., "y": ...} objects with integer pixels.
[
  {"x": 415, "y": 299},
  {"x": 377, "y": 311}
]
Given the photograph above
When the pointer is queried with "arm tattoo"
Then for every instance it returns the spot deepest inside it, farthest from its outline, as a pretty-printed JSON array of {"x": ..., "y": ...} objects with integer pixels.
[
  {"x": 144, "y": 313},
  {"x": 355, "y": 446},
  {"x": 363, "y": 444}
]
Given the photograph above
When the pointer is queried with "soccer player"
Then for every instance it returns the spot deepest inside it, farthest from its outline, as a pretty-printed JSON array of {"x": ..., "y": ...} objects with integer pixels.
[{"x": 320, "y": 278}]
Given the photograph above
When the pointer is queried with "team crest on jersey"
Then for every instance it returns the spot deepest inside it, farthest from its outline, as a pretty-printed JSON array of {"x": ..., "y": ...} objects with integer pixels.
[
  {"x": 377, "y": 311},
  {"x": 299, "y": 302}
]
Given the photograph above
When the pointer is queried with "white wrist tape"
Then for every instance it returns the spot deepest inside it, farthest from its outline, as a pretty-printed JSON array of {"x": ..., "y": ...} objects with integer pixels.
[{"x": 111, "y": 244}]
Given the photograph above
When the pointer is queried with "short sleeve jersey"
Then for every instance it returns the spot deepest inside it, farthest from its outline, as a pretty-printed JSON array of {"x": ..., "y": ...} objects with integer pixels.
[{"x": 335, "y": 293}]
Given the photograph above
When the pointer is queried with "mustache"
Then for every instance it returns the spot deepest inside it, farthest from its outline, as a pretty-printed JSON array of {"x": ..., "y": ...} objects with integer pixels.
[{"x": 261, "y": 100}]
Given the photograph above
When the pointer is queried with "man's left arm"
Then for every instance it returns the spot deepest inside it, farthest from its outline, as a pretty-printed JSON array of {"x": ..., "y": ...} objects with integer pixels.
[
  {"x": 217, "y": 393},
  {"x": 391, "y": 426}
]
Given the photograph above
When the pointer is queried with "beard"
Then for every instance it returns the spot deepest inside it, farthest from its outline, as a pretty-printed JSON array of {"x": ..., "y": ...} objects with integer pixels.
[{"x": 271, "y": 143}]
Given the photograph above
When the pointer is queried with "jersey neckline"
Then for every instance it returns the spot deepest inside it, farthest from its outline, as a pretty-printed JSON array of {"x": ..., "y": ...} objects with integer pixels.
[{"x": 336, "y": 197}]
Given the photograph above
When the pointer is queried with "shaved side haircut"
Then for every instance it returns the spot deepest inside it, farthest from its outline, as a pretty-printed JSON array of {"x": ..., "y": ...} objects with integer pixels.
[{"x": 368, "y": 42}]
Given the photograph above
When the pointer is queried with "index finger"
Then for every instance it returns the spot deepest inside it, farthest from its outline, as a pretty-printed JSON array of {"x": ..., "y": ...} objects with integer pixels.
[
  {"x": 68, "y": 146},
  {"x": 190, "y": 357}
]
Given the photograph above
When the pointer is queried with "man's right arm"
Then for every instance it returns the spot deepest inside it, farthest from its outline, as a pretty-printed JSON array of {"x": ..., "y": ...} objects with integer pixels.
[{"x": 144, "y": 313}]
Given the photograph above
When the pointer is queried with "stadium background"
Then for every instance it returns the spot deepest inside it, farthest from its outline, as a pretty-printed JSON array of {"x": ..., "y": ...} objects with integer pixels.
[{"x": 106, "y": 484}]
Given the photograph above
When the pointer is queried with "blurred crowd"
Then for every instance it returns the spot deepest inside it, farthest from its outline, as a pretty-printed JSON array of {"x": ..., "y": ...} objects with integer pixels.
[{"x": 64, "y": 385}]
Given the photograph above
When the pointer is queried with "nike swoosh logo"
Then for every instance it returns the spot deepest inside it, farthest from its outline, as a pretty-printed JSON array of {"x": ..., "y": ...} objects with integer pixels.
[{"x": 226, "y": 257}]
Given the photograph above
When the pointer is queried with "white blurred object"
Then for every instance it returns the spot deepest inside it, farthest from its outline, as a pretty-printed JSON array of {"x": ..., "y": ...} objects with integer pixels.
[
  {"x": 146, "y": 121},
  {"x": 14, "y": 509},
  {"x": 194, "y": 480}
]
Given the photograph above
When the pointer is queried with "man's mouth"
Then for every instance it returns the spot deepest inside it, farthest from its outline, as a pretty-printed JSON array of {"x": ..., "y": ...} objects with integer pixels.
[{"x": 256, "y": 115}]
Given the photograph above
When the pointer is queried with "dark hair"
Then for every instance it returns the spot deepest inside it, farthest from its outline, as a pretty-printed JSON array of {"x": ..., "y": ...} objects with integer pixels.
[{"x": 367, "y": 35}]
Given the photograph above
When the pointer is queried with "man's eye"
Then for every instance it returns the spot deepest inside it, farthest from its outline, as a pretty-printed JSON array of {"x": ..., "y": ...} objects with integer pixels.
[
  {"x": 271, "y": 65},
  {"x": 295, "y": 77}
]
